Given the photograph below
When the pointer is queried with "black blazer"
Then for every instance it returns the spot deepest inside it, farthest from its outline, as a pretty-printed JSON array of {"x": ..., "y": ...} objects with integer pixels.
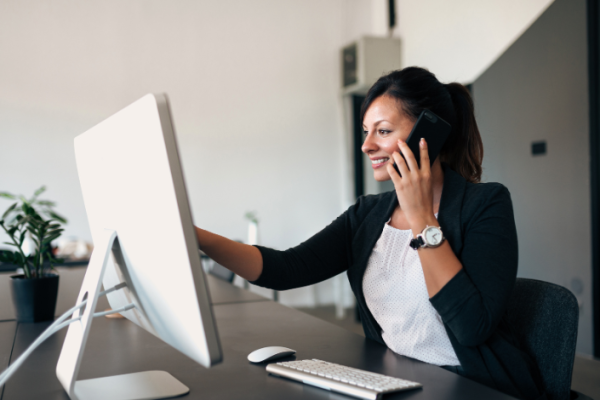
[{"x": 478, "y": 222}]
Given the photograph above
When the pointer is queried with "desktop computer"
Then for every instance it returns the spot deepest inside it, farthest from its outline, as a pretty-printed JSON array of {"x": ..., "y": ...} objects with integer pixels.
[
  {"x": 146, "y": 257},
  {"x": 145, "y": 247}
]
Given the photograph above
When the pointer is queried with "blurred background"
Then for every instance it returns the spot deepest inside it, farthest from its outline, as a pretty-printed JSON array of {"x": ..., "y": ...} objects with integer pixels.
[{"x": 264, "y": 121}]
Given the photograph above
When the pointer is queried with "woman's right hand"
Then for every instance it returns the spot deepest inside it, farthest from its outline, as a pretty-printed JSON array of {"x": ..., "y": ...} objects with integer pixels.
[{"x": 414, "y": 188}]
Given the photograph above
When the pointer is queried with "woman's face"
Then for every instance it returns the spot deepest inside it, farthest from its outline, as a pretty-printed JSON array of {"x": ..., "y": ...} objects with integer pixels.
[{"x": 384, "y": 124}]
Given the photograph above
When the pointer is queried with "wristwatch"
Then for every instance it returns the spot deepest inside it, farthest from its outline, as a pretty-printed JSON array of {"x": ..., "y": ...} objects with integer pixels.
[{"x": 431, "y": 236}]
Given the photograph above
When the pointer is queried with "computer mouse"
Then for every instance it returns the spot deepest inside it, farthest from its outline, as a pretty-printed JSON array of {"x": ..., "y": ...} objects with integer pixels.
[{"x": 269, "y": 353}]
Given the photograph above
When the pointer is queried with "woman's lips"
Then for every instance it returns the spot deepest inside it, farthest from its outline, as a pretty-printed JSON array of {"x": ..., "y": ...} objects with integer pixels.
[{"x": 379, "y": 162}]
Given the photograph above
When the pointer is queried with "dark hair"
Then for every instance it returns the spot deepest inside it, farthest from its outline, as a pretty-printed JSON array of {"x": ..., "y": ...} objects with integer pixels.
[{"x": 417, "y": 89}]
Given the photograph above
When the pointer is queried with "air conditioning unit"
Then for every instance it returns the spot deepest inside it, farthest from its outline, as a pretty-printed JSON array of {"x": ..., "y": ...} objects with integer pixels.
[{"x": 366, "y": 60}]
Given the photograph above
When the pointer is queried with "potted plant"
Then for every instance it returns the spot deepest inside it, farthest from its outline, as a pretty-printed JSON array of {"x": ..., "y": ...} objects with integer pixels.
[{"x": 35, "y": 291}]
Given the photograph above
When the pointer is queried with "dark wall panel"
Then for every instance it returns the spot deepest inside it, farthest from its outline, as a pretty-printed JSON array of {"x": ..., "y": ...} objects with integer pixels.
[{"x": 537, "y": 91}]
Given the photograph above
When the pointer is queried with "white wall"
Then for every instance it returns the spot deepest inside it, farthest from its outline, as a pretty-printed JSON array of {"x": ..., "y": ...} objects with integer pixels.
[
  {"x": 254, "y": 87},
  {"x": 458, "y": 40},
  {"x": 254, "y": 93}
]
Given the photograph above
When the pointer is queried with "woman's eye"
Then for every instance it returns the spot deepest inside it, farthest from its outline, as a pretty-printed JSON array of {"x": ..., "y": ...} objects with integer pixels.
[
  {"x": 365, "y": 133},
  {"x": 383, "y": 132}
]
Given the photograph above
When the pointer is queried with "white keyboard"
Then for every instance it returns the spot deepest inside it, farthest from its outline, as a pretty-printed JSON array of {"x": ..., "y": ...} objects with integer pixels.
[{"x": 341, "y": 379}]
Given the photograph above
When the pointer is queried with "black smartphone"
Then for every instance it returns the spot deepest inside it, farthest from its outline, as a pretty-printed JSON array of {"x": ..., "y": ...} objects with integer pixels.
[{"x": 434, "y": 130}]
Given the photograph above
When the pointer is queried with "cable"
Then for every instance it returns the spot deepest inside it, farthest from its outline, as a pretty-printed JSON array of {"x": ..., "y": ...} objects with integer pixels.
[
  {"x": 49, "y": 332},
  {"x": 55, "y": 327},
  {"x": 45, "y": 335},
  {"x": 59, "y": 320},
  {"x": 120, "y": 310},
  {"x": 112, "y": 289}
]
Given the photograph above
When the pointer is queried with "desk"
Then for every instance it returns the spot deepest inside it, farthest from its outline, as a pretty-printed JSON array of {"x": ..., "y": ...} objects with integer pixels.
[
  {"x": 245, "y": 323},
  {"x": 71, "y": 278}
]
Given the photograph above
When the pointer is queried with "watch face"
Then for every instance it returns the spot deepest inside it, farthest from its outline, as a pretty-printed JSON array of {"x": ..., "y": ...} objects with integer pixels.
[{"x": 433, "y": 236}]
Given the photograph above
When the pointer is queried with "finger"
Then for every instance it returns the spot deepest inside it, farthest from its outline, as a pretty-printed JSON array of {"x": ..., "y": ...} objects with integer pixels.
[
  {"x": 424, "y": 149},
  {"x": 396, "y": 178},
  {"x": 408, "y": 156},
  {"x": 402, "y": 167}
]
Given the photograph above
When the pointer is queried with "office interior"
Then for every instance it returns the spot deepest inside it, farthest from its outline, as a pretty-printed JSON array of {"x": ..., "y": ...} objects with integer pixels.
[{"x": 263, "y": 123}]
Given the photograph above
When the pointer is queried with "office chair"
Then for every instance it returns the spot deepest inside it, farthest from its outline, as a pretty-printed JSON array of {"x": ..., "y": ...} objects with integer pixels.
[
  {"x": 544, "y": 317},
  {"x": 221, "y": 272},
  {"x": 211, "y": 267}
]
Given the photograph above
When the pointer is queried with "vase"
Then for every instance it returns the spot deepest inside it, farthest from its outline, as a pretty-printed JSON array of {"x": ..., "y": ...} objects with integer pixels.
[{"x": 34, "y": 299}]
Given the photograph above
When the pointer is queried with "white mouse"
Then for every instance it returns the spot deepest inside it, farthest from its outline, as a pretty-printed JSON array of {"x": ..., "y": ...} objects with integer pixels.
[{"x": 269, "y": 353}]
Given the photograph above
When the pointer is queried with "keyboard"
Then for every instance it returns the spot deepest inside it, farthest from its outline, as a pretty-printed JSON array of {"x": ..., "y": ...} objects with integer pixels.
[{"x": 338, "y": 378}]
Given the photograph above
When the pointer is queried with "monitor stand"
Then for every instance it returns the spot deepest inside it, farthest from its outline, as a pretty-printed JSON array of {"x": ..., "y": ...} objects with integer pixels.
[{"x": 139, "y": 385}]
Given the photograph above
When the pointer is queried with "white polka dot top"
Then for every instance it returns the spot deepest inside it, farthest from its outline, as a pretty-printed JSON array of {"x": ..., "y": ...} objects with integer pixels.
[{"x": 395, "y": 292}]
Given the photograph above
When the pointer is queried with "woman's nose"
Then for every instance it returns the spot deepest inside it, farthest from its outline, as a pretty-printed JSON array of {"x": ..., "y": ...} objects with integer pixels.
[{"x": 368, "y": 145}]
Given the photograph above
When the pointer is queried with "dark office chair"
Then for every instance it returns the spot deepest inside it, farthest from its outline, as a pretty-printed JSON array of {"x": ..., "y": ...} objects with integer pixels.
[
  {"x": 221, "y": 272},
  {"x": 544, "y": 316},
  {"x": 216, "y": 269}
]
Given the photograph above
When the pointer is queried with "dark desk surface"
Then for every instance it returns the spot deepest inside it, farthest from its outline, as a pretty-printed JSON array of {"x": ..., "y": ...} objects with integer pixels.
[
  {"x": 71, "y": 278},
  {"x": 118, "y": 346},
  {"x": 7, "y": 338}
]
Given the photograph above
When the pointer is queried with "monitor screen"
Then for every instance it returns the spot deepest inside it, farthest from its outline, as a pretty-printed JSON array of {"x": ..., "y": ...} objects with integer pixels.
[{"x": 132, "y": 183}]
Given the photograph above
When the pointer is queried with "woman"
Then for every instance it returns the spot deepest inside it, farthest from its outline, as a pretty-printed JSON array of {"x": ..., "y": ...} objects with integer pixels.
[{"x": 444, "y": 305}]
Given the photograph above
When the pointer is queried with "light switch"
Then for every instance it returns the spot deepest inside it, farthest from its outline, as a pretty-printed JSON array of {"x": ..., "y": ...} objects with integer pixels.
[{"x": 538, "y": 148}]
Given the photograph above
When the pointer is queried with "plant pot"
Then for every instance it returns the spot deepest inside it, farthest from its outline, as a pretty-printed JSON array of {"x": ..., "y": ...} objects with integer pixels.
[{"x": 34, "y": 299}]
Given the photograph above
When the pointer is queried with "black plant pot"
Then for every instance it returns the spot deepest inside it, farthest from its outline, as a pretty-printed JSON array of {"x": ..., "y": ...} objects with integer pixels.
[{"x": 34, "y": 299}]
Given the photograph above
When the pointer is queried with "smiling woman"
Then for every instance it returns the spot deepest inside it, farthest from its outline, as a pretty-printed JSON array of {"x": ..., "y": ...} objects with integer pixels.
[
  {"x": 384, "y": 124},
  {"x": 412, "y": 90},
  {"x": 433, "y": 262}
]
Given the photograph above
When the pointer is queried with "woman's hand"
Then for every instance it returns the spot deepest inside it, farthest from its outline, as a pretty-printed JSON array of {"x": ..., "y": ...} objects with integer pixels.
[
  {"x": 414, "y": 188},
  {"x": 415, "y": 194}
]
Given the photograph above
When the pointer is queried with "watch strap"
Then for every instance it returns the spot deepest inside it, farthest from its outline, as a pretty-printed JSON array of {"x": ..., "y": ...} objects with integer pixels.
[{"x": 417, "y": 242}]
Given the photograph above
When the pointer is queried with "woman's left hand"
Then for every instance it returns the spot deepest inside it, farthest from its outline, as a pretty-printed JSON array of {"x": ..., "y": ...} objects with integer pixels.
[{"x": 414, "y": 188}]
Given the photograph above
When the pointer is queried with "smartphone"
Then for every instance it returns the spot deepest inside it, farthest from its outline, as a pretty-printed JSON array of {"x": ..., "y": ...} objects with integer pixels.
[{"x": 434, "y": 130}]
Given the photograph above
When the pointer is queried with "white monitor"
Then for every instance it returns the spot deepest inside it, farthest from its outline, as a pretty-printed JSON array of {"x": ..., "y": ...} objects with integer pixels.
[{"x": 141, "y": 224}]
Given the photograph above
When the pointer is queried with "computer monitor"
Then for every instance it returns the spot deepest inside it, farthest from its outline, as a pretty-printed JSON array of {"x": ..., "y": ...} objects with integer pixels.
[{"x": 140, "y": 219}]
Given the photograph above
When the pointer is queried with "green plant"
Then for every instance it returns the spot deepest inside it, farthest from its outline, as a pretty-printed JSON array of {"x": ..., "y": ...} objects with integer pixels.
[
  {"x": 252, "y": 216},
  {"x": 26, "y": 217}
]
